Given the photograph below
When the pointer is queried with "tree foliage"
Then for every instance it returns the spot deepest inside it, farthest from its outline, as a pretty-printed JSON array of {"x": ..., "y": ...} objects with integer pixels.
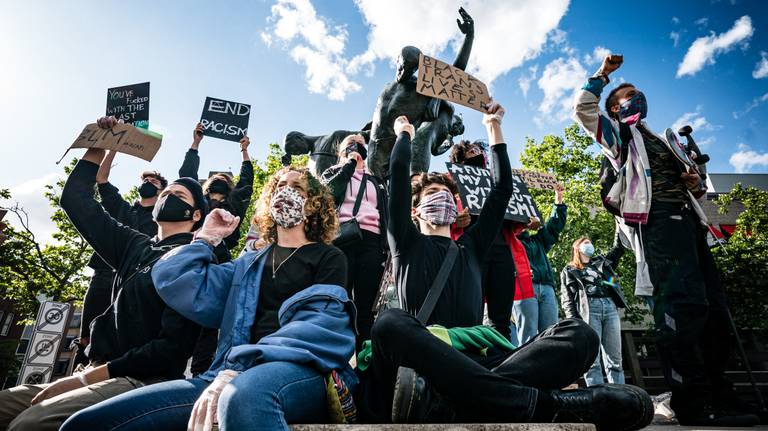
[
  {"x": 743, "y": 259},
  {"x": 572, "y": 162}
]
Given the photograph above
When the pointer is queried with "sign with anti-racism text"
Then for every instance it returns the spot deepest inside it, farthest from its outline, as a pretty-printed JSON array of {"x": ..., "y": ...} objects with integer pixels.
[
  {"x": 224, "y": 119},
  {"x": 122, "y": 138},
  {"x": 130, "y": 104},
  {"x": 475, "y": 185},
  {"x": 536, "y": 180},
  {"x": 443, "y": 81}
]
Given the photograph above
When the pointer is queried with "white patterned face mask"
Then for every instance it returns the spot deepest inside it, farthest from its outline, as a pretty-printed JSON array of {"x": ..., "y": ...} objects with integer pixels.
[{"x": 287, "y": 207}]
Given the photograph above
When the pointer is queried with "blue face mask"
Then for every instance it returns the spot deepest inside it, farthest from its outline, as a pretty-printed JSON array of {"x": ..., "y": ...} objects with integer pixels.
[
  {"x": 630, "y": 109},
  {"x": 587, "y": 249}
]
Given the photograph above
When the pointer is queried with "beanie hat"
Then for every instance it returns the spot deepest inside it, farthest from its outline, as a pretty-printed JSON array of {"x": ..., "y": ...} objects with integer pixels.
[{"x": 196, "y": 190}]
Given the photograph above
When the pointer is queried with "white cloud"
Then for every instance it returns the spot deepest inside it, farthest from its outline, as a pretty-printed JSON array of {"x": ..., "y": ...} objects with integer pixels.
[
  {"x": 525, "y": 80},
  {"x": 675, "y": 20},
  {"x": 702, "y": 22},
  {"x": 511, "y": 33},
  {"x": 30, "y": 196},
  {"x": 757, "y": 101},
  {"x": 697, "y": 121},
  {"x": 597, "y": 55},
  {"x": 558, "y": 81},
  {"x": 313, "y": 43},
  {"x": 704, "y": 49},
  {"x": 675, "y": 36},
  {"x": 761, "y": 68},
  {"x": 745, "y": 159}
]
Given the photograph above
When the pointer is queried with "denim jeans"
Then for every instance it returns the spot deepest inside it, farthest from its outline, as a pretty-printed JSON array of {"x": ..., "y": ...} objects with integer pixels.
[
  {"x": 533, "y": 315},
  {"x": 604, "y": 319},
  {"x": 265, "y": 397}
]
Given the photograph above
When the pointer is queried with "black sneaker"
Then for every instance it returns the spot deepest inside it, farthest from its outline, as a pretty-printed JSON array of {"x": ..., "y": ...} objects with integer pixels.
[
  {"x": 717, "y": 417},
  {"x": 610, "y": 407},
  {"x": 415, "y": 402}
]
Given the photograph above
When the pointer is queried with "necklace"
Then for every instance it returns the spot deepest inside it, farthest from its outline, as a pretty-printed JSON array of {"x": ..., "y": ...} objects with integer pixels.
[{"x": 274, "y": 252}]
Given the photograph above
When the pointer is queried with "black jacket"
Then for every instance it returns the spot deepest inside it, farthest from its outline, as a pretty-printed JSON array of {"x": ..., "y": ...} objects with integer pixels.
[
  {"x": 338, "y": 177},
  {"x": 238, "y": 200},
  {"x": 573, "y": 295},
  {"x": 134, "y": 216},
  {"x": 138, "y": 336}
]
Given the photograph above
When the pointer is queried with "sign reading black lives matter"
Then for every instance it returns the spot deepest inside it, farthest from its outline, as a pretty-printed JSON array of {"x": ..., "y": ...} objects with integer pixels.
[
  {"x": 224, "y": 119},
  {"x": 475, "y": 185},
  {"x": 130, "y": 104}
]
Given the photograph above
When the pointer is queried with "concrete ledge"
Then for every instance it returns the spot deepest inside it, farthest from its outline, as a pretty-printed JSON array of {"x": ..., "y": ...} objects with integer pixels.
[{"x": 447, "y": 427}]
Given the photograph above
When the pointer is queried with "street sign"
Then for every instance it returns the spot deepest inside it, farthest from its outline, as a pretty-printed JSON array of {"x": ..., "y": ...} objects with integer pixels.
[{"x": 43, "y": 348}]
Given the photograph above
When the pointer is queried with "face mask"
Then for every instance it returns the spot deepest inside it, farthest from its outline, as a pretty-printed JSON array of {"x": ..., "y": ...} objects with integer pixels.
[
  {"x": 438, "y": 209},
  {"x": 587, "y": 249},
  {"x": 172, "y": 208},
  {"x": 218, "y": 186},
  {"x": 215, "y": 203},
  {"x": 478, "y": 160},
  {"x": 287, "y": 207},
  {"x": 634, "y": 109},
  {"x": 359, "y": 149},
  {"x": 147, "y": 190}
]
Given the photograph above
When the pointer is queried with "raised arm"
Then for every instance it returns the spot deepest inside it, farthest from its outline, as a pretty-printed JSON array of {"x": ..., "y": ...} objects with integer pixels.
[
  {"x": 337, "y": 179},
  {"x": 617, "y": 251},
  {"x": 549, "y": 234},
  {"x": 191, "y": 165},
  {"x": 467, "y": 26},
  {"x": 401, "y": 228},
  {"x": 241, "y": 195}
]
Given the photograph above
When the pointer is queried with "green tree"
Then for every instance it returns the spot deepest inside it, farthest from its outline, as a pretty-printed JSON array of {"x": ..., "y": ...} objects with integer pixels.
[
  {"x": 576, "y": 165},
  {"x": 743, "y": 259}
]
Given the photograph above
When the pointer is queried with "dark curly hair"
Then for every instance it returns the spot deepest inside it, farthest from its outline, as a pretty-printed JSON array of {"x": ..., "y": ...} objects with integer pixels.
[
  {"x": 612, "y": 100},
  {"x": 422, "y": 181},
  {"x": 321, "y": 221},
  {"x": 459, "y": 151}
]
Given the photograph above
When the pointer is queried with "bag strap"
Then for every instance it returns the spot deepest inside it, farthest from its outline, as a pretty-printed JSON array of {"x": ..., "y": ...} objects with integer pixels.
[
  {"x": 438, "y": 284},
  {"x": 360, "y": 194}
]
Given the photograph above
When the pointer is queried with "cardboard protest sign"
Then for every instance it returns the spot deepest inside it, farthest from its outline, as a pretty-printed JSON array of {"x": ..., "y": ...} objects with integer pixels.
[
  {"x": 443, "y": 81},
  {"x": 536, "y": 180},
  {"x": 123, "y": 138},
  {"x": 225, "y": 120},
  {"x": 475, "y": 185},
  {"x": 130, "y": 104}
]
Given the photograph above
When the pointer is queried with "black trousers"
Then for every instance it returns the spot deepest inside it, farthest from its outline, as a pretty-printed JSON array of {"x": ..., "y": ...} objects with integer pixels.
[
  {"x": 365, "y": 267},
  {"x": 97, "y": 299},
  {"x": 499, "y": 387},
  {"x": 499, "y": 287},
  {"x": 690, "y": 308}
]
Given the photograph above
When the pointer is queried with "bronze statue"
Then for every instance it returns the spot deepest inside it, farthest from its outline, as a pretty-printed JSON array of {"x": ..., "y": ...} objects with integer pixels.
[
  {"x": 322, "y": 150},
  {"x": 432, "y": 118}
]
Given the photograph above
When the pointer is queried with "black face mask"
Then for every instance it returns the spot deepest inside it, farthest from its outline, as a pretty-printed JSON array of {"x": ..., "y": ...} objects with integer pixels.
[
  {"x": 215, "y": 203},
  {"x": 218, "y": 186},
  {"x": 147, "y": 190},
  {"x": 478, "y": 160},
  {"x": 172, "y": 208},
  {"x": 359, "y": 149}
]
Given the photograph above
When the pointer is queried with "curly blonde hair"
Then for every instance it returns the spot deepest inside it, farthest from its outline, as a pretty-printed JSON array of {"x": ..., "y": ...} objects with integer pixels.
[{"x": 321, "y": 222}]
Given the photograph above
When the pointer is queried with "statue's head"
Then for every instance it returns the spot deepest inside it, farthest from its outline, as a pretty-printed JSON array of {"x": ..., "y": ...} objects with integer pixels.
[
  {"x": 457, "y": 126},
  {"x": 407, "y": 63}
]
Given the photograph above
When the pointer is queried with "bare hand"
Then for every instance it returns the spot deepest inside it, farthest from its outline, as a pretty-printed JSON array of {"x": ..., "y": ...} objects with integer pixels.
[
  {"x": 218, "y": 225},
  {"x": 533, "y": 223},
  {"x": 691, "y": 180},
  {"x": 244, "y": 143},
  {"x": 57, "y": 388},
  {"x": 611, "y": 63},
  {"x": 197, "y": 134},
  {"x": 463, "y": 219},
  {"x": 559, "y": 191},
  {"x": 402, "y": 125},
  {"x": 107, "y": 122},
  {"x": 354, "y": 155},
  {"x": 495, "y": 113},
  {"x": 467, "y": 24}
]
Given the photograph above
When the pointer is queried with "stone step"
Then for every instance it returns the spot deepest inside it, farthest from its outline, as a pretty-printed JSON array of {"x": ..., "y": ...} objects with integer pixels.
[{"x": 446, "y": 427}]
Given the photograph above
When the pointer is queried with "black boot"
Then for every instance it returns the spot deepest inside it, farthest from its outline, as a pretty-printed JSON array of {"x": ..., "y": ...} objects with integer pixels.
[
  {"x": 415, "y": 402},
  {"x": 609, "y": 407}
]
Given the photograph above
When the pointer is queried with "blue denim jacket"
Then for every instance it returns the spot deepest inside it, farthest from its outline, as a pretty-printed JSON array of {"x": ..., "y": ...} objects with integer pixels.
[{"x": 316, "y": 324}]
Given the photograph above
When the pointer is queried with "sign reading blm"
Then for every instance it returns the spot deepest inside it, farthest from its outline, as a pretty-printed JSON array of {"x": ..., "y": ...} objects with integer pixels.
[
  {"x": 475, "y": 185},
  {"x": 224, "y": 119},
  {"x": 130, "y": 104},
  {"x": 443, "y": 81}
]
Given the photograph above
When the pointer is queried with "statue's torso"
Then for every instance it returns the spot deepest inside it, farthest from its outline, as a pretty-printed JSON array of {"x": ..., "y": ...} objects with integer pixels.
[{"x": 395, "y": 100}]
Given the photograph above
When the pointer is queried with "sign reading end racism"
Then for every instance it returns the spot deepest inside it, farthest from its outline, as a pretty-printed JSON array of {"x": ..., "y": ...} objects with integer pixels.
[
  {"x": 122, "y": 138},
  {"x": 130, "y": 104},
  {"x": 224, "y": 119},
  {"x": 443, "y": 81},
  {"x": 475, "y": 185}
]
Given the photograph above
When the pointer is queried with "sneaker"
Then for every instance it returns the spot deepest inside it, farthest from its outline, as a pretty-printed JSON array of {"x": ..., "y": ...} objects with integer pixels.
[
  {"x": 717, "y": 417},
  {"x": 415, "y": 402},
  {"x": 610, "y": 407}
]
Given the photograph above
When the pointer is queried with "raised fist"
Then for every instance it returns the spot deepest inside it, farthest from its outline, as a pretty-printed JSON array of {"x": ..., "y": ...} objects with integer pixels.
[
  {"x": 218, "y": 225},
  {"x": 402, "y": 125}
]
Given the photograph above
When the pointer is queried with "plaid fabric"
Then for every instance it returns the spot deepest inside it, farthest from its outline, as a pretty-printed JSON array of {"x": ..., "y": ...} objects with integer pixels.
[{"x": 438, "y": 208}]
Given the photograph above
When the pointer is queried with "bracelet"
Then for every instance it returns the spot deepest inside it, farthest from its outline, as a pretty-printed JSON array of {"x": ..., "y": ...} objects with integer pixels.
[{"x": 81, "y": 377}]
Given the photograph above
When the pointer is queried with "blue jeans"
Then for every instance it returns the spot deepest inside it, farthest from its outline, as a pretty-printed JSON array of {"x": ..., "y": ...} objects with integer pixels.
[
  {"x": 604, "y": 319},
  {"x": 265, "y": 397},
  {"x": 534, "y": 315}
]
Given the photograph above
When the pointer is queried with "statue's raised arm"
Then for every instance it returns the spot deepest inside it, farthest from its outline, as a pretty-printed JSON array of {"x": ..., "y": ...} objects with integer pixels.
[{"x": 467, "y": 26}]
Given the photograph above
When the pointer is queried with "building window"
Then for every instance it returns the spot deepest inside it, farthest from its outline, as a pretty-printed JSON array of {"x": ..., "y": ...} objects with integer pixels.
[
  {"x": 2, "y": 313},
  {"x": 22, "y": 349},
  {"x": 26, "y": 333},
  {"x": 76, "y": 319},
  {"x": 6, "y": 325}
]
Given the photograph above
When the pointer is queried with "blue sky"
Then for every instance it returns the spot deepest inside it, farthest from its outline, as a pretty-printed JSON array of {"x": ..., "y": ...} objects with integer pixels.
[{"x": 317, "y": 66}]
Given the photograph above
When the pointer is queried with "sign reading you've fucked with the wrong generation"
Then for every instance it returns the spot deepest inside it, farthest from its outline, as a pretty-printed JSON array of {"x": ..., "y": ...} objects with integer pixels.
[
  {"x": 130, "y": 103},
  {"x": 224, "y": 119},
  {"x": 475, "y": 185}
]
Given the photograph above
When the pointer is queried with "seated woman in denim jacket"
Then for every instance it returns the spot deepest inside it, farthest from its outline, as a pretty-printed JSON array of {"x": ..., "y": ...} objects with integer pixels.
[
  {"x": 589, "y": 291},
  {"x": 284, "y": 316}
]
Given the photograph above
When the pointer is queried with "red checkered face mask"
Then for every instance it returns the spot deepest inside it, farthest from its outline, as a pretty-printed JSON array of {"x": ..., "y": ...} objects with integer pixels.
[{"x": 438, "y": 209}]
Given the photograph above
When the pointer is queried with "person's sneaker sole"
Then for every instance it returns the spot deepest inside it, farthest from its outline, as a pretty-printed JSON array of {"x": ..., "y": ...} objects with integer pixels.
[{"x": 404, "y": 395}]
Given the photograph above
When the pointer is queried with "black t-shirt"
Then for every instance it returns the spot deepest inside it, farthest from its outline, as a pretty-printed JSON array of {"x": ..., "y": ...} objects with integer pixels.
[
  {"x": 294, "y": 270},
  {"x": 593, "y": 282}
]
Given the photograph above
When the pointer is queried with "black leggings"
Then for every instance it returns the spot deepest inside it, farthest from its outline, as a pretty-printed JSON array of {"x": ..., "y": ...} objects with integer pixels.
[
  {"x": 499, "y": 387},
  {"x": 365, "y": 267},
  {"x": 499, "y": 287}
]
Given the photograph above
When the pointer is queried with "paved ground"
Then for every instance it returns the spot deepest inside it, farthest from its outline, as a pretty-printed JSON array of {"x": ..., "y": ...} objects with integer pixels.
[{"x": 495, "y": 427}]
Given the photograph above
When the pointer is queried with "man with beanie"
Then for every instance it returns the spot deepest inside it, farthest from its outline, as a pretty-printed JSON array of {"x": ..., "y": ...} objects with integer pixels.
[{"x": 138, "y": 340}]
